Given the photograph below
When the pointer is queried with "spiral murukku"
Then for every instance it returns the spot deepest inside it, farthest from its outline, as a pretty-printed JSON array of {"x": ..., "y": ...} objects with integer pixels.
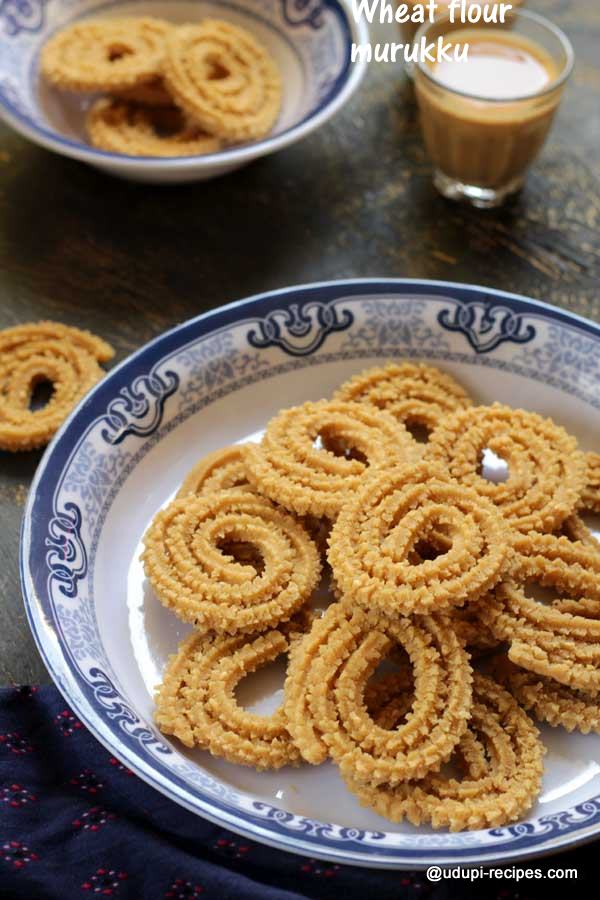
[
  {"x": 328, "y": 674},
  {"x": 546, "y": 471},
  {"x": 106, "y": 54},
  {"x": 417, "y": 395},
  {"x": 226, "y": 468},
  {"x": 560, "y": 639},
  {"x": 466, "y": 620},
  {"x": 476, "y": 636},
  {"x": 500, "y": 758},
  {"x": 590, "y": 496},
  {"x": 548, "y": 700},
  {"x": 120, "y": 126},
  {"x": 389, "y": 698},
  {"x": 44, "y": 352},
  {"x": 196, "y": 701},
  {"x": 186, "y": 560},
  {"x": 574, "y": 526},
  {"x": 151, "y": 93},
  {"x": 217, "y": 471},
  {"x": 224, "y": 79},
  {"x": 292, "y": 469},
  {"x": 576, "y": 530},
  {"x": 374, "y": 544}
]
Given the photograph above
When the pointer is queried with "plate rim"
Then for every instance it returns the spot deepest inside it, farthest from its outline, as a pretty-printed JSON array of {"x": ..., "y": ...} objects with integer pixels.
[{"x": 299, "y": 843}]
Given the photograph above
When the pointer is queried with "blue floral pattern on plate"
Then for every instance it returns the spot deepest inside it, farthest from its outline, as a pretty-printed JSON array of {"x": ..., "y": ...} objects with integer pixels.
[{"x": 22, "y": 16}]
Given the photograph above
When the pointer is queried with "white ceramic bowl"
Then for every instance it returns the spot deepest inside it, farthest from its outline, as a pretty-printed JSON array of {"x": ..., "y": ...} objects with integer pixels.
[{"x": 311, "y": 41}]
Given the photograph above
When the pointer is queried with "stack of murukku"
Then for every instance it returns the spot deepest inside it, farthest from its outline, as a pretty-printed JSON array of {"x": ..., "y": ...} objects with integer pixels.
[
  {"x": 429, "y": 564},
  {"x": 167, "y": 90}
]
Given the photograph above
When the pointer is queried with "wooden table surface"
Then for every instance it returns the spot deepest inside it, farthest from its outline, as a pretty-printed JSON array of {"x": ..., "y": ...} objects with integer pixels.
[{"x": 353, "y": 200}]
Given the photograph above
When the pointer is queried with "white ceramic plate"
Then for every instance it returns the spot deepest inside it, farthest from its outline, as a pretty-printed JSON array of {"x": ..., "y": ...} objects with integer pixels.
[
  {"x": 216, "y": 380},
  {"x": 310, "y": 40}
]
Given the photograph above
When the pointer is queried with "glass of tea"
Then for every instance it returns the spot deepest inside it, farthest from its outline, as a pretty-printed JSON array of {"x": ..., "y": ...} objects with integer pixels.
[{"x": 485, "y": 118}]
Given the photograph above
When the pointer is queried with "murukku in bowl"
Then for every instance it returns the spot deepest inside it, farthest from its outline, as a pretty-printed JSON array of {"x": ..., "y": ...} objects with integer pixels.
[{"x": 174, "y": 92}]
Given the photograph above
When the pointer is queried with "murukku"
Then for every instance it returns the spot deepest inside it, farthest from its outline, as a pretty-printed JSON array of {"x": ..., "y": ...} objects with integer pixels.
[
  {"x": 476, "y": 636},
  {"x": 217, "y": 471},
  {"x": 224, "y": 79},
  {"x": 44, "y": 352},
  {"x": 576, "y": 530},
  {"x": 574, "y": 526},
  {"x": 296, "y": 698},
  {"x": 106, "y": 54},
  {"x": 151, "y": 93},
  {"x": 560, "y": 640},
  {"x": 389, "y": 698},
  {"x": 196, "y": 701},
  {"x": 546, "y": 471},
  {"x": 417, "y": 395},
  {"x": 499, "y": 758},
  {"x": 328, "y": 674},
  {"x": 186, "y": 560},
  {"x": 120, "y": 126},
  {"x": 292, "y": 469},
  {"x": 549, "y": 701},
  {"x": 299, "y": 674},
  {"x": 374, "y": 544},
  {"x": 226, "y": 468},
  {"x": 590, "y": 497}
]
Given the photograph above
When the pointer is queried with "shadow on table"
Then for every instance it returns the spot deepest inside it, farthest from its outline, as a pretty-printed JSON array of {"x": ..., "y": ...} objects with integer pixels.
[{"x": 19, "y": 467}]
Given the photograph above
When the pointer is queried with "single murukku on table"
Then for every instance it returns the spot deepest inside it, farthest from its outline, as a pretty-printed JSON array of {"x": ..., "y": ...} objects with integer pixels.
[
  {"x": 328, "y": 676},
  {"x": 291, "y": 468},
  {"x": 417, "y": 395},
  {"x": 186, "y": 560},
  {"x": 106, "y": 54},
  {"x": 560, "y": 639},
  {"x": 120, "y": 126},
  {"x": 548, "y": 700},
  {"x": 44, "y": 352},
  {"x": 224, "y": 79},
  {"x": 375, "y": 542},
  {"x": 546, "y": 470},
  {"x": 500, "y": 760},
  {"x": 196, "y": 701}
]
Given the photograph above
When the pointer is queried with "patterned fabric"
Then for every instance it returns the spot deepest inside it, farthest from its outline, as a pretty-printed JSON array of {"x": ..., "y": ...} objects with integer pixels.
[{"x": 74, "y": 822}]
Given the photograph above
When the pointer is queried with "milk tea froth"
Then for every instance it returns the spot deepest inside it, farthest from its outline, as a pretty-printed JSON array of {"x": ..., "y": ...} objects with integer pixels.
[{"x": 501, "y": 66}]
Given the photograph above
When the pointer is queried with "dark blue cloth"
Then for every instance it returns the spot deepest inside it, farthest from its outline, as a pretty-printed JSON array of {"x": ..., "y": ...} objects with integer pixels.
[{"x": 74, "y": 822}]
